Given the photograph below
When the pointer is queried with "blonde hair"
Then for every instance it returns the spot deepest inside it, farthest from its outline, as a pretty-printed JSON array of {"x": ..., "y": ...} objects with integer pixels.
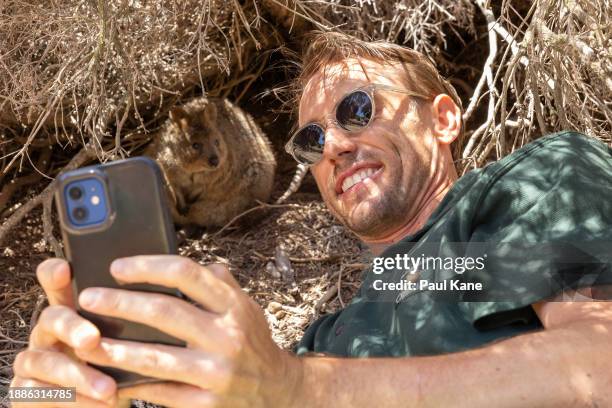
[{"x": 420, "y": 74}]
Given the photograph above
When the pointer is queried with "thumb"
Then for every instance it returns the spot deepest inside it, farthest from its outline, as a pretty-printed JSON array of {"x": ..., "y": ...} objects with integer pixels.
[{"x": 54, "y": 277}]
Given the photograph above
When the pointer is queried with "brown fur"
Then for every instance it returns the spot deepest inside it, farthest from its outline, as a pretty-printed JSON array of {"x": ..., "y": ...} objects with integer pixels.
[{"x": 216, "y": 160}]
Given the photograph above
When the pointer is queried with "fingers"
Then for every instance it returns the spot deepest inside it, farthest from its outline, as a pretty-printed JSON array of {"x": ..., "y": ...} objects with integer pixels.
[
  {"x": 159, "y": 361},
  {"x": 170, "y": 394},
  {"x": 212, "y": 287},
  {"x": 54, "y": 277},
  {"x": 63, "y": 324},
  {"x": 169, "y": 314},
  {"x": 57, "y": 368},
  {"x": 81, "y": 400}
]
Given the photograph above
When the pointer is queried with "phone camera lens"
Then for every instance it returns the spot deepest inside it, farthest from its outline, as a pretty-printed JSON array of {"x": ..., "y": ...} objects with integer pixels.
[
  {"x": 75, "y": 193},
  {"x": 79, "y": 213}
]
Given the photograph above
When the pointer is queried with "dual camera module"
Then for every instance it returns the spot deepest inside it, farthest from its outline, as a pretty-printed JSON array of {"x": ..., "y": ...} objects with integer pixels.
[
  {"x": 85, "y": 202},
  {"x": 76, "y": 193}
]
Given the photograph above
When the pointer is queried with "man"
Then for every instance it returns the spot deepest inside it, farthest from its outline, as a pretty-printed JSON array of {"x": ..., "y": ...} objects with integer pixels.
[{"x": 376, "y": 123}]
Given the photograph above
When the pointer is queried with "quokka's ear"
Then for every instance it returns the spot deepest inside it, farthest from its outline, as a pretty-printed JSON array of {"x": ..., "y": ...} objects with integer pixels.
[
  {"x": 210, "y": 112},
  {"x": 177, "y": 114}
]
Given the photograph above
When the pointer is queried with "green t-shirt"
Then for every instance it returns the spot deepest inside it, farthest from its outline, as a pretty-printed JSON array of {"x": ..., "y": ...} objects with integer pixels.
[{"x": 536, "y": 222}]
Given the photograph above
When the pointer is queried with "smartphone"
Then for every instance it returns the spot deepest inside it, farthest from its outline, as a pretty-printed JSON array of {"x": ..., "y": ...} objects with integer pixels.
[{"x": 110, "y": 211}]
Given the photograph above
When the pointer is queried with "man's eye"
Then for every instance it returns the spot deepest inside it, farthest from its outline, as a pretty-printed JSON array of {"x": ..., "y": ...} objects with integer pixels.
[{"x": 196, "y": 146}]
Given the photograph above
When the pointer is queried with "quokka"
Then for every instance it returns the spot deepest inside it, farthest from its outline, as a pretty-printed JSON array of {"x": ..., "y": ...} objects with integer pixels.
[{"x": 216, "y": 160}]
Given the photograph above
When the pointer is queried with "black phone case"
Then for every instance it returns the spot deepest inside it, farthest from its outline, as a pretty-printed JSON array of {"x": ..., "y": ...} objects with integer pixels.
[{"x": 139, "y": 224}]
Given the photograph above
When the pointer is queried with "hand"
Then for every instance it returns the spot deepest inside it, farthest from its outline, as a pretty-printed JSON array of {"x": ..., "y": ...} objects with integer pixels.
[
  {"x": 49, "y": 359},
  {"x": 230, "y": 358}
]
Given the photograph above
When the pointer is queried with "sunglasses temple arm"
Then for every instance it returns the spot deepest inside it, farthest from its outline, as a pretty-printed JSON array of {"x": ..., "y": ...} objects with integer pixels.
[{"x": 404, "y": 91}]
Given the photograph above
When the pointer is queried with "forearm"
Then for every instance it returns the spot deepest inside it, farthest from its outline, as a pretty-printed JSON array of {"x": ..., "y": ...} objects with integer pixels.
[{"x": 562, "y": 367}]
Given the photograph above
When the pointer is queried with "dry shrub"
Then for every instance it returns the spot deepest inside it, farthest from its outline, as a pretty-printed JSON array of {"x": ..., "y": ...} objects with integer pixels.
[
  {"x": 421, "y": 25},
  {"x": 552, "y": 71},
  {"x": 88, "y": 69},
  {"x": 100, "y": 70}
]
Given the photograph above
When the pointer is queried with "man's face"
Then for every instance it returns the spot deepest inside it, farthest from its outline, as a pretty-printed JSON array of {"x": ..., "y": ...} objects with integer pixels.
[{"x": 392, "y": 156}]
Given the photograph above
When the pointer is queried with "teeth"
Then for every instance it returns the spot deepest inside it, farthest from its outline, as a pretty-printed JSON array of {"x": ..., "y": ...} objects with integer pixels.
[{"x": 356, "y": 178}]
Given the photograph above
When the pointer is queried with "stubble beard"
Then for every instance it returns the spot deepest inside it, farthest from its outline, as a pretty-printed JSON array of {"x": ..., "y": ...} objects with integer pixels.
[
  {"x": 379, "y": 215},
  {"x": 390, "y": 210}
]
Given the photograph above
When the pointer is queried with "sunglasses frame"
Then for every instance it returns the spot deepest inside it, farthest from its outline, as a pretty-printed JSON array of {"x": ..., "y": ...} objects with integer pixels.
[{"x": 368, "y": 90}]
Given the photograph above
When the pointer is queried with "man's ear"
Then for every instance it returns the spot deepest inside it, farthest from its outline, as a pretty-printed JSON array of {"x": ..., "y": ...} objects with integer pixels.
[{"x": 447, "y": 118}]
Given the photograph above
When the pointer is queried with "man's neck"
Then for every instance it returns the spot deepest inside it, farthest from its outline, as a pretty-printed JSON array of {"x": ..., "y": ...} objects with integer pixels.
[{"x": 429, "y": 205}]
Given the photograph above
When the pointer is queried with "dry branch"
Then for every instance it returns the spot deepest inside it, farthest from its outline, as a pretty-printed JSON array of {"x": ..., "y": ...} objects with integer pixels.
[
  {"x": 555, "y": 74},
  {"x": 78, "y": 160},
  {"x": 487, "y": 75},
  {"x": 14, "y": 185}
]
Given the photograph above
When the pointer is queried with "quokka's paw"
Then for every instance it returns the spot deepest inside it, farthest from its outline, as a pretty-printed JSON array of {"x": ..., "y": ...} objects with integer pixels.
[{"x": 190, "y": 232}]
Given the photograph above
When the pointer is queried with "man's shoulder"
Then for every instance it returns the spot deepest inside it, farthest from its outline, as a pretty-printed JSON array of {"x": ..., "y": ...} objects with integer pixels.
[
  {"x": 550, "y": 188},
  {"x": 563, "y": 155}
]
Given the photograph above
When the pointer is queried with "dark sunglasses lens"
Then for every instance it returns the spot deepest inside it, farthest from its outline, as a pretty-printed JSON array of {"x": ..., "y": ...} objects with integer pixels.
[
  {"x": 308, "y": 144},
  {"x": 355, "y": 110}
]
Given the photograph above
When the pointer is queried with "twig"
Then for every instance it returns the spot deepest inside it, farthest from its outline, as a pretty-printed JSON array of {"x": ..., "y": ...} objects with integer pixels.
[
  {"x": 514, "y": 46},
  {"x": 4, "y": 336},
  {"x": 37, "y": 310},
  {"x": 294, "y": 310},
  {"x": 10, "y": 351},
  {"x": 533, "y": 86},
  {"x": 80, "y": 158},
  {"x": 250, "y": 210},
  {"x": 252, "y": 79},
  {"x": 329, "y": 258},
  {"x": 339, "y": 286},
  {"x": 48, "y": 227},
  {"x": 504, "y": 98},
  {"x": 335, "y": 289},
  {"x": 326, "y": 297},
  {"x": 9, "y": 189},
  {"x": 559, "y": 99},
  {"x": 486, "y": 69}
]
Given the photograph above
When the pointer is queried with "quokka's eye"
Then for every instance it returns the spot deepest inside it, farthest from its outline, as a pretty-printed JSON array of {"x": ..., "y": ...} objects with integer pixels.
[
  {"x": 217, "y": 142},
  {"x": 196, "y": 146}
]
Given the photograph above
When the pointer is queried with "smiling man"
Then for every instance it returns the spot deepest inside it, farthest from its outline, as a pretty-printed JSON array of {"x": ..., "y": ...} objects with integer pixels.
[{"x": 376, "y": 122}]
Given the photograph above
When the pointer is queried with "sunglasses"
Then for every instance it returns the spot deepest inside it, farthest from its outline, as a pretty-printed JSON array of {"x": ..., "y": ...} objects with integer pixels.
[{"x": 353, "y": 113}]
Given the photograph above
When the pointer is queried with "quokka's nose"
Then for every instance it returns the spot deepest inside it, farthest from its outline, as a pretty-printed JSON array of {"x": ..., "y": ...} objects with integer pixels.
[{"x": 213, "y": 160}]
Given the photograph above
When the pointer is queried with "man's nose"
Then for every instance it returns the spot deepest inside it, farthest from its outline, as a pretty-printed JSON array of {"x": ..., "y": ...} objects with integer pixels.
[{"x": 338, "y": 144}]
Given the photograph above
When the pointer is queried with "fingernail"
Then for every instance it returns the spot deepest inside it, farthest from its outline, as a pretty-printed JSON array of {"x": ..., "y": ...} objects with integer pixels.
[
  {"x": 54, "y": 263},
  {"x": 103, "y": 386},
  {"x": 89, "y": 297},
  {"x": 56, "y": 273},
  {"x": 117, "y": 267},
  {"x": 60, "y": 278}
]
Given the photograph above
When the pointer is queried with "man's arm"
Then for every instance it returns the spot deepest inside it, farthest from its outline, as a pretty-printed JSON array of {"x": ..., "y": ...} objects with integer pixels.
[
  {"x": 231, "y": 359},
  {"x": 567, "y": 364}
]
